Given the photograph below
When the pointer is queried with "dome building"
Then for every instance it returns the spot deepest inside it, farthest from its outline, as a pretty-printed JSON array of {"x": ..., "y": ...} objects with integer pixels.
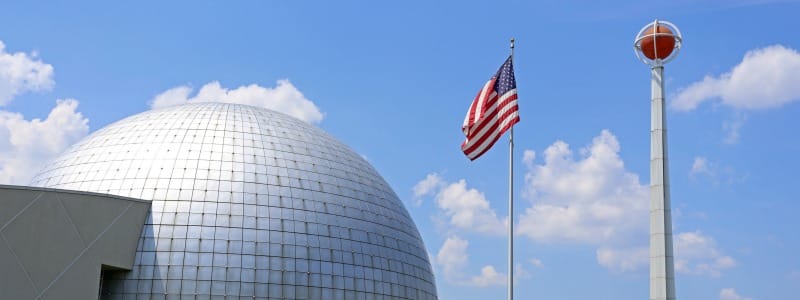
[{"x": 247, "y": 203}]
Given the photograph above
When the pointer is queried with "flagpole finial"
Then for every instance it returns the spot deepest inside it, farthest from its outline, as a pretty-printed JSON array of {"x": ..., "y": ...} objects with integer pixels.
[{"x": 512, "y": 43}]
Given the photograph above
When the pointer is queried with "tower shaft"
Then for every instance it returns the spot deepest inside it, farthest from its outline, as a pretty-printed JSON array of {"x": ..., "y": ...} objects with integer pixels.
[{"x": 662, "y": 273}]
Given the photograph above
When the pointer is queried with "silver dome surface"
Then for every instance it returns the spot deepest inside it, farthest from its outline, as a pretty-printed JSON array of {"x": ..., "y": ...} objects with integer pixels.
[{"x": 250, "y": 203}]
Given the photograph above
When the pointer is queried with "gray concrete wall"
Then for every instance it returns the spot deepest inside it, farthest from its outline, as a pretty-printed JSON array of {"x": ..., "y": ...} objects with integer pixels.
[{"x": 54, "y": 242}]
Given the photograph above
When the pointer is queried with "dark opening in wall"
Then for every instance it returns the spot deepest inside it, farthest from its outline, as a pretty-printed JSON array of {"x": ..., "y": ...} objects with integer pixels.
[{"x": 107, "y": 274}]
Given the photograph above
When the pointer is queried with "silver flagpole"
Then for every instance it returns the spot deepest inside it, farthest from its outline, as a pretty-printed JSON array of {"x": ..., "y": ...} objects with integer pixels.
[{"x": 511, "y": 203}]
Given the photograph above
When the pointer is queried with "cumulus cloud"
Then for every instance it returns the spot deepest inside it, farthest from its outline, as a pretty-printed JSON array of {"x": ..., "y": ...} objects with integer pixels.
[
  {"x": 21, "y": 72},
  {"x": 697, "y": 253},
  {"x": 171, "y": 97},
  {"x": 464, "y": 208},
  {"x": 765, "y": 78},
  {"x": 731, "y": 294},
  {"x": 703, "y": 168},
  {"x": 488, "y": 277},
  {"x": 453, "y": 260},
  {"x": 593, "y": 199},
  {"x": 528, "y": 156},
  {"x": 537, "y": 262},
  {"x": 452, "y": 257},
  {"x": 623, "y": 259},
  {"x": 521, "y": 273},
  {"x": 427, "y": 186},
  {"x": 26, "y": 145},
  {"x": 731, "y": 129},
  {"x": 468, "y": 209},
  {"x": 700, "y": 166},
  {"x": 284, "y": 97}
]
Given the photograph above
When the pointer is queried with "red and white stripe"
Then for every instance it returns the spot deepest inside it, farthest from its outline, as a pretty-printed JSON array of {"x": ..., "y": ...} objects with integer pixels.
[{"x": 488, "y": 118}]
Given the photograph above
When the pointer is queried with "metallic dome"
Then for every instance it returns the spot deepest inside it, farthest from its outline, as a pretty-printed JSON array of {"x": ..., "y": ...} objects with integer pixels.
[{"x": 249, "y": 203}]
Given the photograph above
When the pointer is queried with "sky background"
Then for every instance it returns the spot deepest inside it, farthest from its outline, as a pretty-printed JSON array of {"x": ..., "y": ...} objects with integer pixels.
[{"x": 393, "y": 79}]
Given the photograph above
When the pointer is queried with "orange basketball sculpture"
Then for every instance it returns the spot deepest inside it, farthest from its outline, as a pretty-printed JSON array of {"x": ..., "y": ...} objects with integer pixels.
[{"x": 659, "y": 44}]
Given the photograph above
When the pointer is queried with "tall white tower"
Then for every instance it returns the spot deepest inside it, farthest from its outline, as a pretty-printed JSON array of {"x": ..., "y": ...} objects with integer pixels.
[{"x": 656, "y": 44}]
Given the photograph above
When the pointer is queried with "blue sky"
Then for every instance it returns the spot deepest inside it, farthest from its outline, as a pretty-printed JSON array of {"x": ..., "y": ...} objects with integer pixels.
[{"x": 394, "y": 79}]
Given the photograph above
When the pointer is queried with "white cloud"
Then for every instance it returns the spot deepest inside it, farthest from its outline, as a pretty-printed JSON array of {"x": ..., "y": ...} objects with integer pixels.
[
  {"x": 284, "y": 97},
  {"x": 731, "y": 294},
  {"x": 623, "y": 259},
  {"x": 25, "y": 146},
  {"x": 703, "y": 168},
  {"x": 462, "y": 208},
  {"x": 453, "y": 260},
  {"x": 521, "y": 273},
  {"x": 488, "y": 277},
  {"x": 468, "y": 209},
  {"x": 697, "y": 254},
  {"x": 592, "y": 200},
  {"x": 589, "y": 200},
  {"x": 731, "y": 129},
  {"x": 700, "y": 166},
  {"x": 427, "y": 186},
  {"x": 20, "y": 72},
  {"x": 537, "y": 262},
  {"x": 765, "y": 78},
  {"x": 171, "y": 97},
  {"x": 452, "y": 257},
  {"x": 528, "y": 156}
]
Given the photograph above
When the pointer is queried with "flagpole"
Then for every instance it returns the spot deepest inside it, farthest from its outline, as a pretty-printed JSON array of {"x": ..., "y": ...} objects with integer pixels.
[{"x": 511, "y": 203}]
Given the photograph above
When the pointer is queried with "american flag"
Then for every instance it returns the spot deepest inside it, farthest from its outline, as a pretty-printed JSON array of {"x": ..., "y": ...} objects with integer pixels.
[{"x": 493, "y": 111}]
